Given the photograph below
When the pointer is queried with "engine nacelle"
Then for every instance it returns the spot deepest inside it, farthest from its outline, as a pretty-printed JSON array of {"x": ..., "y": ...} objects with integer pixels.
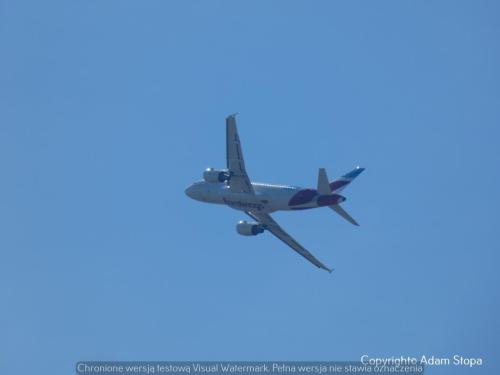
[
  {"x": 249, "y": 229},
  {"x": 216, "y": 175}
]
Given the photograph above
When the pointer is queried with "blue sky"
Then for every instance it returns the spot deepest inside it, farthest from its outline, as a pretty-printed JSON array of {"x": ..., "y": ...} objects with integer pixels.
[{"x": 109, "y": 109}]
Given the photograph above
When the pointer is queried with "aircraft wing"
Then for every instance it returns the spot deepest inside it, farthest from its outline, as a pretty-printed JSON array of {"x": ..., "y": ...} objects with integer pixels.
[
  {"x": 239, "y": 181},
  {"x": 272, "y": 226}
]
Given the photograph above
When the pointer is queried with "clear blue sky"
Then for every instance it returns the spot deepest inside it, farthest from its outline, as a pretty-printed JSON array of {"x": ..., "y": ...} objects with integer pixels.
[{"x": 109, "y": 109}]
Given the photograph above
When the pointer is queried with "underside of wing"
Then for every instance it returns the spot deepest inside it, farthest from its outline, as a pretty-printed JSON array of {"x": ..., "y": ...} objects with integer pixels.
[
  {"x": 239, "y": 181},
  {"x": 272, "y": 226}
]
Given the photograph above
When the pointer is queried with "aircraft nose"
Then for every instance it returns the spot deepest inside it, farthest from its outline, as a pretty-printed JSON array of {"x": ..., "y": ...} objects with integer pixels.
[{"x": 189, "y": 191}]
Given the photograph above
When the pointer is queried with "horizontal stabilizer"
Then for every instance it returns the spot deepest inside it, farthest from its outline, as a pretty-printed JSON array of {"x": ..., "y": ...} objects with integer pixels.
[
  {"x": 323, "y": 184},
  {"x": 343, "y": 213}
]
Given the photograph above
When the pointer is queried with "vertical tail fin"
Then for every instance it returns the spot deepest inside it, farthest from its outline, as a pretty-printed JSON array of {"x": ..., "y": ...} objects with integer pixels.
[{"x": 336, "y": 186}]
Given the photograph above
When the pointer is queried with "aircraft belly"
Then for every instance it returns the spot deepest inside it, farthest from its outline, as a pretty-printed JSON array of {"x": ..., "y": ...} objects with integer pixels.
[
  {"x": 262, "y": 201},
  {"x": 244, "y": 201}
]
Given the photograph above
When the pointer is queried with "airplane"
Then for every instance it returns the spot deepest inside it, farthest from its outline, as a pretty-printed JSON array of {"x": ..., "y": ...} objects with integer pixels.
[{"x": 232, "y": 187}]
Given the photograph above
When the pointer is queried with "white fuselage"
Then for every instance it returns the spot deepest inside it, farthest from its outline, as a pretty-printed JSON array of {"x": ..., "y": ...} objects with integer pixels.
[{"x": 267, "y": 198}]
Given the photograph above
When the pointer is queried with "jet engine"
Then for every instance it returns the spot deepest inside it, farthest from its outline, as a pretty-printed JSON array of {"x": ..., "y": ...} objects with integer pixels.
[
  {"x": 216, "y": 175},
  {"x": 249, "y": 229}
]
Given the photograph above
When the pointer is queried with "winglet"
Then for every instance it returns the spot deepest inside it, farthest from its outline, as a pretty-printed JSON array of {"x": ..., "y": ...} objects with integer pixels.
[{"x": 330, "y": 270}]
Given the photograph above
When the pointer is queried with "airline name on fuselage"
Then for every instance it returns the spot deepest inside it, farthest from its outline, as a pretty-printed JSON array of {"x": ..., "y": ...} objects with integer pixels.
[{"x": 241, "y": 204}]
